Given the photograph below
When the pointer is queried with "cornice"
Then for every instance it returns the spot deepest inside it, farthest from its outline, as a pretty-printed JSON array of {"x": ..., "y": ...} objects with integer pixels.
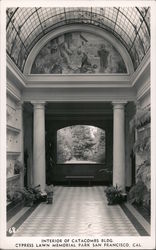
[
  {"x": 79, "y": 95},
  {"x": 76, "y": 81},
  {"x": 14, "y": 74},
  {"x": 143, "y": 91},
  {"x": 12, "y": 94}
]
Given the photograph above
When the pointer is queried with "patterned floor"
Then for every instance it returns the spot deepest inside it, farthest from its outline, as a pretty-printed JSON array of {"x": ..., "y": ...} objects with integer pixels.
[{"x": 77, "y": 211}]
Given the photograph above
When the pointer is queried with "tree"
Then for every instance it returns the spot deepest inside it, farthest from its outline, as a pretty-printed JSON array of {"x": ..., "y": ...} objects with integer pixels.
[{"x": 81, "y": 143}]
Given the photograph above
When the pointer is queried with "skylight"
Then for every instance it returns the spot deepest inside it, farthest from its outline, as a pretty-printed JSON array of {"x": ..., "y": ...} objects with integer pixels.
[{"x": 26, "y": 26}]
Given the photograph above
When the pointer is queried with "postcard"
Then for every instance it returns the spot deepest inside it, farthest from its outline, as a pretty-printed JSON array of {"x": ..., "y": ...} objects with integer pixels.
[{"x": 77, "y": 124}]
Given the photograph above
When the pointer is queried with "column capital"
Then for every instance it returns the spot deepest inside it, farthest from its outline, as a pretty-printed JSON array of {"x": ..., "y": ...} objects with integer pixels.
[
  {"x": 119, "y": 104},
  {"x": 38, "y": 104}
]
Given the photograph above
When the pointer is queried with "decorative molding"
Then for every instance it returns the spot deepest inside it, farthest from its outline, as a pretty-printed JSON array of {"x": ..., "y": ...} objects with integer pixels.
[
  {"x": 116, "y": 102},
  {"x": 76, "y": 81},
  {"x": 13, "y": 129},
  {"x": 13, "y": 91},
  {"x": 11, "y": 153},
  {"x": 12, "y": 94},
  {"x": 14, "y": 177},
  {"x": 38, "y": 104},
  {"x": 143, "y": 91},
  {"x": 119, "y": 104},
  {"x": 14, "y": 74},
  {"x": 79, "y": 98}
]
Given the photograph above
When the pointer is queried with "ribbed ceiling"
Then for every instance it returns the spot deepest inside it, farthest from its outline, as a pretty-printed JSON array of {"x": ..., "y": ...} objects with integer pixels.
[{"x": 26, "y": 26}]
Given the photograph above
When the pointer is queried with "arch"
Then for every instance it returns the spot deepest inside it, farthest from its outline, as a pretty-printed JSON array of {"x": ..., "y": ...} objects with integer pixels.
[
  {"x": 81, "y": 144},
  {"x": 83, "y": 28},
  {"x": 131, "y": 26}
]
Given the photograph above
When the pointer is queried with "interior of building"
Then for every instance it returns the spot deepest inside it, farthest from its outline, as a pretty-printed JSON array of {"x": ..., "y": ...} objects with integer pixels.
[{"x": 85, "y": 70}]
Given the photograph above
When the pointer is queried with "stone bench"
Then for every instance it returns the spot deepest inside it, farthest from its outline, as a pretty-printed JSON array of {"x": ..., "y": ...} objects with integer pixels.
[{"x": 87, "y": 178}]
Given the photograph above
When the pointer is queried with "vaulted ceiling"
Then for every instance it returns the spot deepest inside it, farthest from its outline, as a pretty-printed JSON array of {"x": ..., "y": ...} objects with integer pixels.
[{"x": 26, "y": 26}]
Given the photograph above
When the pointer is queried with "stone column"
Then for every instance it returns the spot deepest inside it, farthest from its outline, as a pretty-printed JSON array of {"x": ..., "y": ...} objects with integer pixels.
[
  {"x": 119, "y": 145},
  {"x": 39, "y": 164}
]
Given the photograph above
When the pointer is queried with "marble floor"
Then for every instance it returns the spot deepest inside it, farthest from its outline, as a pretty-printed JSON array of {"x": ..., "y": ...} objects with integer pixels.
[{"x": 77, "y": 211}]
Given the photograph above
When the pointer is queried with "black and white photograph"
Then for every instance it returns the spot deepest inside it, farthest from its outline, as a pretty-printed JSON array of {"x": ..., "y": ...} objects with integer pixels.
[{"x": 78, "y": 124}]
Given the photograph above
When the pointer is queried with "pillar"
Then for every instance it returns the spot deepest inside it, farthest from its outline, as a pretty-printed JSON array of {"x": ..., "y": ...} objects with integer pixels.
[
  {"x": 19, "y": 107},
  {"x": 119, "y": 145},
  {"x": 39, "y": 164}
]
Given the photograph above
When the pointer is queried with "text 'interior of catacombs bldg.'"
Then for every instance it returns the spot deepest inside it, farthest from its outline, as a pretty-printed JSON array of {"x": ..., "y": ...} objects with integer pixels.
[{"x": 78, "y": 121}]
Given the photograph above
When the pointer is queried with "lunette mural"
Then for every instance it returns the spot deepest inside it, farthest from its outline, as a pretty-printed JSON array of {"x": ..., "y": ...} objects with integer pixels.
[{"x": 79, "y": 53}]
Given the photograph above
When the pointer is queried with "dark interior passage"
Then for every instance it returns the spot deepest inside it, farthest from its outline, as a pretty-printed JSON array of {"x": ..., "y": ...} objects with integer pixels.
[{"x": 83, "y": 173}]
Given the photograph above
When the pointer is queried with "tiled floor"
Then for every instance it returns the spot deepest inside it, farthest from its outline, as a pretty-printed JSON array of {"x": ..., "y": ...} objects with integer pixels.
[{"x": 77, "y": 211}]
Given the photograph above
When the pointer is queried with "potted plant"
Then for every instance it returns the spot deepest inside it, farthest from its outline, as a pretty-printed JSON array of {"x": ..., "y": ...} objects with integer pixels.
[
  {"x": 114, "y": 195},
  {"x": 49, "y": 190},
  {"x": 32, "y": 195}
]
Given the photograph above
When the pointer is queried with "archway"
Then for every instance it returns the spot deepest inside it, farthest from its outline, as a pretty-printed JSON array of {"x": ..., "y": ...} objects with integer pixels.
[{"x": 57, "y": 168}]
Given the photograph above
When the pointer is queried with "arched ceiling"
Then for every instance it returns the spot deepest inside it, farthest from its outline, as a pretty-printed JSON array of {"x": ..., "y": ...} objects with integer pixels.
[{"x": 26, "y": 26}]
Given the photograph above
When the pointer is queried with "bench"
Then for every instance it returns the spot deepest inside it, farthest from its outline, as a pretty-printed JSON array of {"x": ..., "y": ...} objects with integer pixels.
[{"x": 87, "y": 178}]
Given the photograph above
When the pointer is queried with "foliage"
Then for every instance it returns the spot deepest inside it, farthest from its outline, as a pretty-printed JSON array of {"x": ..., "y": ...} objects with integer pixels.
[
  {"x": 139, "y": 194},
  {"x": 140, "y": 119},
  {"x": 144, "y": 174},
  {"x": 29, "y": 195},
  {"x": 114, "y": 195},
  {"x": 13, "y": 195},
  {"x": 81, "y": 143},
  {"x": 143, "y": 142}
]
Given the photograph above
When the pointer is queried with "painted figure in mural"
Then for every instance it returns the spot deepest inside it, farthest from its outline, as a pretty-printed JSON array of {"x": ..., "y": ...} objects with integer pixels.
[
  {"x": 65, "y": 52},
  {"x": 85, "y": 64},
  {"x": 103, "y": 54},
  {"x": 85, "y": 60}
]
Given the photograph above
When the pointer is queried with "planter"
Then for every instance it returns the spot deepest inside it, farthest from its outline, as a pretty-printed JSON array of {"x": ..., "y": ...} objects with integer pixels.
[
  {"x": 50, "y": 198},
  {"x": 43, "y": 198}
]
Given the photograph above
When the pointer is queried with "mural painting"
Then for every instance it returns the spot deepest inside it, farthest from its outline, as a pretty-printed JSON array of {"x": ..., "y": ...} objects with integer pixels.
[{"x": 78, "y": 52}]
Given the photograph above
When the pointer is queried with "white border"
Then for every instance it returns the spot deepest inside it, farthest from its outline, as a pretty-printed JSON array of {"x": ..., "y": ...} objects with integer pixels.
[{"x": 9, "y": 242}]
